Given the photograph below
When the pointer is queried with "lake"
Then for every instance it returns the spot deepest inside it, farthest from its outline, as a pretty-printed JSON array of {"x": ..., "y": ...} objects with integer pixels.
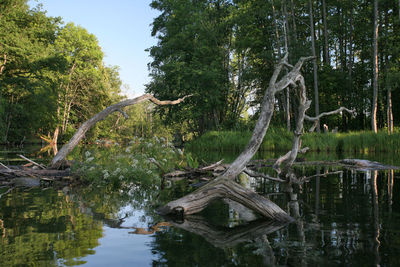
[{"x": 347, "y": 219}]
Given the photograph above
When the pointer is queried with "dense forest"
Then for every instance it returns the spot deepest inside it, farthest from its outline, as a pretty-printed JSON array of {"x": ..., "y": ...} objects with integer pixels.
[
  {"x": 53, "y": 77},
  {"x": 224, "y": 53}
]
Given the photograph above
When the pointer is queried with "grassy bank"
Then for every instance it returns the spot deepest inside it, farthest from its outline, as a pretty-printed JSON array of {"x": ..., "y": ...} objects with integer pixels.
[{"x": 280, "y": 139}]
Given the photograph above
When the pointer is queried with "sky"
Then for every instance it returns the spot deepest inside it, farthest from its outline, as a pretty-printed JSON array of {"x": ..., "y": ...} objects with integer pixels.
[{"x": 122, "y": 28}]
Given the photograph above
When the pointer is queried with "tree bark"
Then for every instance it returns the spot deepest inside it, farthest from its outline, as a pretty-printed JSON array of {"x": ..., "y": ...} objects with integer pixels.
[
  {"x": 224, "y": 188},
  {"x": 80, "y": 133},
  {"x": 315, "y": 67},
  {"x": 375, "y": 70},
  {"x": 326, "y": 44}
]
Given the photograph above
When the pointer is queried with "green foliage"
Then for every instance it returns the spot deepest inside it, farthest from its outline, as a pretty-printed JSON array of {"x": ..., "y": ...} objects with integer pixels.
[
  {"x": 117, "y": 165},
  {"x": 224, "y": 52},
  {"x": 50, "y": 75},
  {"x": 278, "y": 139}
]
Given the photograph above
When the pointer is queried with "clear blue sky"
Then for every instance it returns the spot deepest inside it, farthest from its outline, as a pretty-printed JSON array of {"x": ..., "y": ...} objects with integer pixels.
[{"x": 122, "y": 28}]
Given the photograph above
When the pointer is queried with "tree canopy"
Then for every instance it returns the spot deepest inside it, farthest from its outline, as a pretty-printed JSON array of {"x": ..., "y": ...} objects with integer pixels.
[{"x": 223, "y": 52}]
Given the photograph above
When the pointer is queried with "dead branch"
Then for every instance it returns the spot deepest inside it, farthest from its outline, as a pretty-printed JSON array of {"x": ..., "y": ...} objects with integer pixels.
[
  {"x": 31, "y": 161},
  {"x": 59, "y": 158},
  {"x": 262, "y": 175},
  {"x": 4, "y": 166},
  {"x": 323, "y": 114}
]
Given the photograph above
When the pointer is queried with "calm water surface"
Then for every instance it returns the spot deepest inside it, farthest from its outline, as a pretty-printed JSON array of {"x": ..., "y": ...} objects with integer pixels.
[{"x": 349, "y": 219}]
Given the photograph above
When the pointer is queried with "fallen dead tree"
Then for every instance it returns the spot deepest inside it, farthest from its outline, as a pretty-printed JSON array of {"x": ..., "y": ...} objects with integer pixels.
[
  {"x": 224, "y": 186},
  {"x": 39, "y": 171},
  {"x": 60, "y": 157}
]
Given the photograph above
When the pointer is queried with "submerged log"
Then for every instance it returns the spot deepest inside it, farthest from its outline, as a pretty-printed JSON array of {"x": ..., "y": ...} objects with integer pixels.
[{"x": 224, "y": 188}]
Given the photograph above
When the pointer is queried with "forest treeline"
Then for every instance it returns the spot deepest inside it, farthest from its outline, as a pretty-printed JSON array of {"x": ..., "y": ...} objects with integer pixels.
[
  {"x": 53, "y": 77},
  {"x": 224, "y": 51}
]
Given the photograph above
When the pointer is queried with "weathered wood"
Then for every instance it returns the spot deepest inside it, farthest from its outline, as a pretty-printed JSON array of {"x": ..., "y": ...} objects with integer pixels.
[
  {"x": 4, "y": 166},
  {"x": 224, "y": 185},
  {"x": 329, "y": 113},
  {"x": 31, "y": 161},
  {"x": 224, "y": 188},
  {"x": 59, "y": 158},
  {"x": 267, "y": 110}
]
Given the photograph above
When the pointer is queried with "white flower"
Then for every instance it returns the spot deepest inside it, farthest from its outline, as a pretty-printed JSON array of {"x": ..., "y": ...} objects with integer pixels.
[
  {"x": 89, "y": 159},
  {"x": 149, "y": 144},
  {"x": 117, "y": 170},
  {"x": 91, "y": 168},
  {"x": 87, "y": 154},
  {"x": 121, "y": 177},
  {"x": 134, "y": 163},
  {"x": 180, "y": 151},
  {"x": 128, "y": 149},
  {"x": 162, "y": 139}
]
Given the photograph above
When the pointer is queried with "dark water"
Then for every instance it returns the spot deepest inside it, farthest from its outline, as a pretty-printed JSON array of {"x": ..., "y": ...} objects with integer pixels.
[{"x": 348, "y": 219}]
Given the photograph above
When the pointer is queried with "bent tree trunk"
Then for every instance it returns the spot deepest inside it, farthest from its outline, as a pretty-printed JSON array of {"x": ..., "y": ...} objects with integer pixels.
[
  {"x": 224, "y": 185},
  {"x": 59, "y": 158}
]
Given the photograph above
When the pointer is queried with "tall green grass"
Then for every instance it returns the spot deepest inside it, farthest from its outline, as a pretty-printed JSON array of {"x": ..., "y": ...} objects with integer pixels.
[{"x": 278, "y": 139}]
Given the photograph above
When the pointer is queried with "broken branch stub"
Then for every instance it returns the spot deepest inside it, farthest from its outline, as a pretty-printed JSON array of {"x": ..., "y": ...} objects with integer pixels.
[{"x": 59, "y": 158}]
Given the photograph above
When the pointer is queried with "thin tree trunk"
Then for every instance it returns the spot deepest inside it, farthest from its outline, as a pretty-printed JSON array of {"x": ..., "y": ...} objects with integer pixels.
[
  {"x": 375, "y": 70},
  {"x": 351, "y": 55},
  {"x": 286, "y": 103},
  {"x": 287, "y": 44},
  {"x": 294, "y": 21},
  {"x": 326, "y": 44},
  {"x": 315, "y": 67}
]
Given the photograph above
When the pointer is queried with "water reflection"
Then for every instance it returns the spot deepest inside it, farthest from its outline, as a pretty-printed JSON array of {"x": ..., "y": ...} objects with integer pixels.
[
  {"x": 44, "y": 228},
  {"x": 345, "y": 219}
]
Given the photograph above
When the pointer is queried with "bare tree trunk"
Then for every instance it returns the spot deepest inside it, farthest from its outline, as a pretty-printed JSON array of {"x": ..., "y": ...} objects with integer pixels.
[
  {"x": 326, "y": 44},
  {"x": 389, "y": 111},
  {"x": 80, "y": 133},
  {"x": 294, "y": 21},
  {"x": 375, "y": 70},
  {"x": 286, "y": 102},
  {"x": 315, "y": 67},
  {"x": 287, "y": 40},
  {"x": 351, "y": 55}
]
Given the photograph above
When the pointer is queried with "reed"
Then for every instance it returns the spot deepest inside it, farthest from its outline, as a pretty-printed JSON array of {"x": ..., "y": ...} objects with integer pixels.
[{"x": 278, "y": 139}]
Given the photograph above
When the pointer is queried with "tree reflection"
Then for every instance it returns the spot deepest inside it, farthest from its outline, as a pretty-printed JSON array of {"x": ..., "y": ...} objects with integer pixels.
[{"x": 45, "y": 228}]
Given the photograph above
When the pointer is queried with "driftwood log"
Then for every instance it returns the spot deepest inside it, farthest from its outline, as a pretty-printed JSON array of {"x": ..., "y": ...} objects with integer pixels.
[{"x": 60, "y": 157}]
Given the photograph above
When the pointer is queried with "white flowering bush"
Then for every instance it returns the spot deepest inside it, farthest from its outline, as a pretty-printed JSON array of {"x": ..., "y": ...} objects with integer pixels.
[{"x": 133, "y": 162}]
